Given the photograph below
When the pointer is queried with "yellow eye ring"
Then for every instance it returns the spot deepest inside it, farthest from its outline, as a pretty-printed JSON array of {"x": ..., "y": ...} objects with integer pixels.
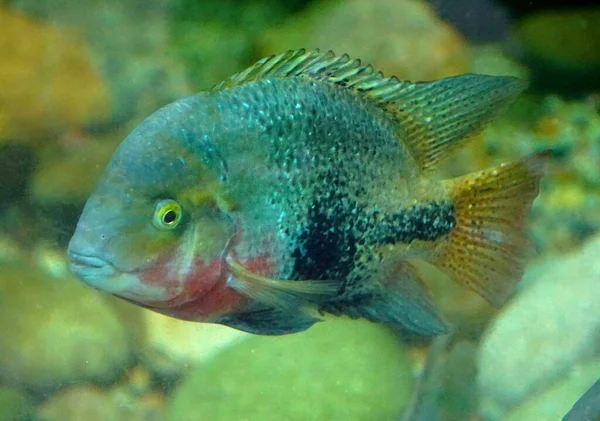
[{"x": 167, "y": 214}]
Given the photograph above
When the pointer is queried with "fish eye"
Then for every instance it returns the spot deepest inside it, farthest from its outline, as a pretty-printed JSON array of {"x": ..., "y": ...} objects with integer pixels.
[{"x": 167, "y": 214}]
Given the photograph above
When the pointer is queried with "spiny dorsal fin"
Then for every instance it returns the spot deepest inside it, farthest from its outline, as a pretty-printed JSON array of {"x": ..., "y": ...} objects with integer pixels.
[{"x": 433, "y": 117}]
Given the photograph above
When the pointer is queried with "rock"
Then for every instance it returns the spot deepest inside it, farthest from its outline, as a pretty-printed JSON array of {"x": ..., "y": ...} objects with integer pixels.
[
  {"x": 47, "y": 83},
  {"x": 57, "y": 331},
  {"x": 491, "y": 59},
  {"x": 70, "y": 176},
  {"x": 83, "y": 402},
  {"x": 337, "y": 370},
  {"x": 402, "y": 38},
  {"x": 212, "y": 50},
  {"x": 554, "y": 402},
  {"x": 136, "y": 398},
  {"x": 171, "y": 346},
  {"x": 129, "y": 41},
  {"x": 10, "y": 251},
  {"x": 563, "y": 49},
  {"x": 214, "y": 38},
  {"x": 15, "y": 405},
  {"x": 129, "y": 400},
  {"x": 551, "y": 325}
]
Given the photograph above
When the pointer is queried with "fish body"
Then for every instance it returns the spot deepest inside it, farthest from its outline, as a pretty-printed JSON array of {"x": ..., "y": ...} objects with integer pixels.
[
  {"x": 303, "y": 186},
  {"x": 587, "y": 407}
]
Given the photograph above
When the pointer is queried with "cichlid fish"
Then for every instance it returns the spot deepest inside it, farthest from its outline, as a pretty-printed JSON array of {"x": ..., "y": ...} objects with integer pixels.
[
  {"x": 304, "y": 186},
  {"x": 587, "y": 407}
]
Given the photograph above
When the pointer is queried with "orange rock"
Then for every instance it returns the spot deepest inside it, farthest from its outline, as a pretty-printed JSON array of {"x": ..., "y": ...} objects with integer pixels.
[{"x": 47, "y": 84}]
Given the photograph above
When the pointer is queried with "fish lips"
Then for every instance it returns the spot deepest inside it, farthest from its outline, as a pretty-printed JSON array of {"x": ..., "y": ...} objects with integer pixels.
[{"x": 92, "y": 270}]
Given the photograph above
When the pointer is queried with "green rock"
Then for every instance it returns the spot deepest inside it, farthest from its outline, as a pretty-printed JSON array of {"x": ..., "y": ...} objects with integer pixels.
[
  {"x": 556, "y": 401},
  {"x": 14, "y": 405},
  {"x": 214, "y": 38},
  {"x": 338, "y": 370},
  {"x": 563, "y": 48},
  {"x": 56, "y": 331},
  {"x": 491, "y": 59}
]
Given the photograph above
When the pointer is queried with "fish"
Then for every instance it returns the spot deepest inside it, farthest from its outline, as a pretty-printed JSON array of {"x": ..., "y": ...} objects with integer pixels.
[
  {"x": 306, "y": 187},
  {"x": 587, "y": 407}
]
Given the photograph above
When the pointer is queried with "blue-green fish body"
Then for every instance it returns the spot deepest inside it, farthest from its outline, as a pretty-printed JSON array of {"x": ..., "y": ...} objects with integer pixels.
[{"x": 303, "y": 186}]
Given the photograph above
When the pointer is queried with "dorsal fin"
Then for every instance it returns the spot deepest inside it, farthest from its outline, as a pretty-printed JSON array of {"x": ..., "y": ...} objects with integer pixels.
[{"x": 433, "y": 117}]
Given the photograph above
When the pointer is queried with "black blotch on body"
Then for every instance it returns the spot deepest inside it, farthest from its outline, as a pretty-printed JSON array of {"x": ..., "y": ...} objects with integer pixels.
[
  {"x": 326, "y": 247},
  {"x": 425, "y": 222},
  {"x": 338, "y": 229}
]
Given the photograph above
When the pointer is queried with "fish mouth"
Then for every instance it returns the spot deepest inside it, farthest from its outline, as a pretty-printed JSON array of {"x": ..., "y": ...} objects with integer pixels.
[{"x": 90, "y": 269}]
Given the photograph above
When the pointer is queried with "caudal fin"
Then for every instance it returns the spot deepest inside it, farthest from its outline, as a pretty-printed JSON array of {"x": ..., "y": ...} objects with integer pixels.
[{"x": 486, "y": 249}]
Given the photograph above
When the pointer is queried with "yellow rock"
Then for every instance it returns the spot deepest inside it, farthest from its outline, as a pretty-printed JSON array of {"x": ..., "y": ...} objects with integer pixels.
[{"x": 47, "y": 84}]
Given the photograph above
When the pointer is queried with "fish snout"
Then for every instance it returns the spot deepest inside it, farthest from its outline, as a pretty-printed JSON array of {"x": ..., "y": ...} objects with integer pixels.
[{"x": 93, "y": 270}]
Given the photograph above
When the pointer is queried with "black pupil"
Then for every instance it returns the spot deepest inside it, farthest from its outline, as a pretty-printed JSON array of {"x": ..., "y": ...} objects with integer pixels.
[{"x": 170, "y": 217}]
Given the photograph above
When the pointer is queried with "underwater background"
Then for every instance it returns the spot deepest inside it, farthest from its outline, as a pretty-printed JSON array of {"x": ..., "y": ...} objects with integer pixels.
[{"x": 77, "y": 76}]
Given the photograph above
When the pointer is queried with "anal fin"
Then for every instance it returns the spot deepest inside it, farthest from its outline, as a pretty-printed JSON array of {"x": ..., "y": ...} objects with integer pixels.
[
  {"x": 486, "y": 249},
  {"x": 269, "y": 321},
  {"x": 401, "y": 300}
]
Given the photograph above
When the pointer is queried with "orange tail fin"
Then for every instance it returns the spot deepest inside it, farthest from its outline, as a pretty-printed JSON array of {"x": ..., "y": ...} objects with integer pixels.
[{"x": 486, "y": 250}]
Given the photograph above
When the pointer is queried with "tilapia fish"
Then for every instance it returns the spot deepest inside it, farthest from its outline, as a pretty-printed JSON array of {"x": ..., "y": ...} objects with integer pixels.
[{"x": 305, "y": 185}]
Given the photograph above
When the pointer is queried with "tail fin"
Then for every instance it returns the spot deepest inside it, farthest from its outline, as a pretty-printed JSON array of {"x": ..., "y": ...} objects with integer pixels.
[{"x": 486, "y": 249}]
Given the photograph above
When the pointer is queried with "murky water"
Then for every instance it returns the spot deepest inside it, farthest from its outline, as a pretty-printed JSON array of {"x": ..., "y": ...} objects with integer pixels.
[{"x": 76, "y": 77}]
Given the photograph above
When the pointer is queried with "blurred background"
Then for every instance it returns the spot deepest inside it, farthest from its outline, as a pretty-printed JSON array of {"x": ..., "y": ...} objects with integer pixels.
[{"x": 77, "y": 76}]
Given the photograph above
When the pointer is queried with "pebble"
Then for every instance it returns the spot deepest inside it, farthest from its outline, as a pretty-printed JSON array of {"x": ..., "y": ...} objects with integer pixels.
[
  {"x": 337, "y": 370},
  {"x": 170, "y": 346},
  {"x": 551, "y": 325},
  {"x": 57, "y": 331}
]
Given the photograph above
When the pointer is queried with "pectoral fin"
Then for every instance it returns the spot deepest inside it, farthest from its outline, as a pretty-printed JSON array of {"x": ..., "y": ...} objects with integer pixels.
[{"x": 286, "y": 295}]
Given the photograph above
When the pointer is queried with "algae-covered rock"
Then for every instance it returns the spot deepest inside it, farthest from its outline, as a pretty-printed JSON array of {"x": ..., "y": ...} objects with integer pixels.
[
  {"x": 15, "y": 405},
  {"x": 170, "y": 346},
  {"x": 402, "y": 38},
  {"x": 47, "y": 81},
  {"x": 554, "y": 402},
  {"x": 129, "y": 44},
  {"x": 79, "y": 403},
  {"x": 56, "y": 331},
  {"x": 550, "y": 326},
  {"x": 214, "y": 38},
  {"x": 337, "y": 370},
  {"x": 563, "y": 48},
  {"x": 91, "y": 403}
]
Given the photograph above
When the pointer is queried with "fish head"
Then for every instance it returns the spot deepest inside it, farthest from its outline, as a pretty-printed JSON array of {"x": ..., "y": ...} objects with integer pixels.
[{"x": 154, "y": 231}]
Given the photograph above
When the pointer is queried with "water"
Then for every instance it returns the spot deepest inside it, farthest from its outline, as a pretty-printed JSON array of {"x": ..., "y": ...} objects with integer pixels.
[{"x": 76, "y": 77}]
